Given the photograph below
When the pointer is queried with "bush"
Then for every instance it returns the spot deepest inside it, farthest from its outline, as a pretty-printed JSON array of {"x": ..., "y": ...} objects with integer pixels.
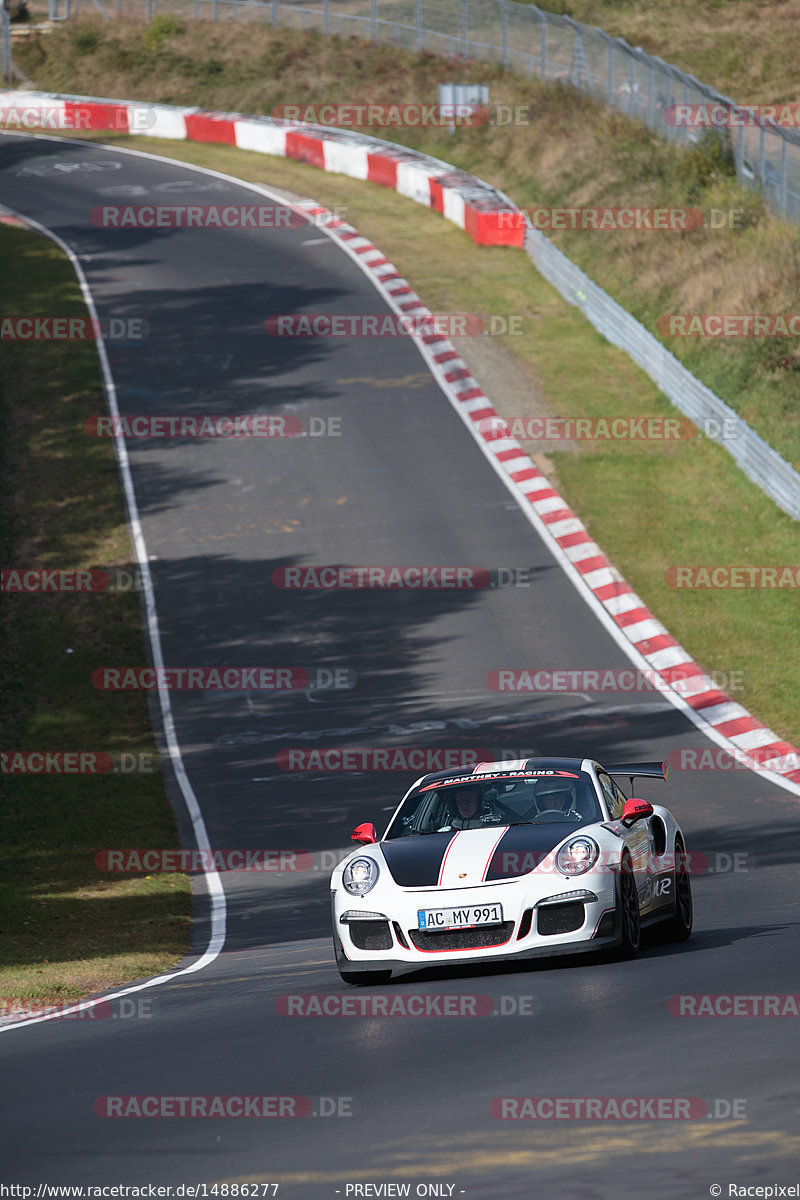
[
  {"x": 85, "y": 39},
  {"x": 708, "y": 161},
  {"x": 160, "y": 30}
]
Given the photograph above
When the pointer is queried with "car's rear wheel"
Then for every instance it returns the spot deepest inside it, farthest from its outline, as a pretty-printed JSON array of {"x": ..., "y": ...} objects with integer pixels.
[
  {"x": 628, "y": 918},
  {"x": 679, "y": 926},
  {"x": 365, "y": 978}
]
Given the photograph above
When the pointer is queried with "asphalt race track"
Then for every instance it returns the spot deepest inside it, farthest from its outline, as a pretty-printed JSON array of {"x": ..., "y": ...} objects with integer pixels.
[{"x": 408, "y": 1097}]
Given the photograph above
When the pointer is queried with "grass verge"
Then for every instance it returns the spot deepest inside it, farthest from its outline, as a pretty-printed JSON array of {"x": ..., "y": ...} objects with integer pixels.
[
  {"x": 744, "y": 50},
  {"x": 66, "y": 928},
  {"x": 565, "y": 152},
  {"x": 650, "y": 505}
]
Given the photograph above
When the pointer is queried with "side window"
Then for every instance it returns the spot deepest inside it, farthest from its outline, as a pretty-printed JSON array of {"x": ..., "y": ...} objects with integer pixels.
[{"x": 613, "y": 796}]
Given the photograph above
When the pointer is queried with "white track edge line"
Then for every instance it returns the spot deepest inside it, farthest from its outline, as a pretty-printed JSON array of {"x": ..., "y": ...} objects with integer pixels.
[
  {"x": 216, "y": 892},
  {"x": 520, "y": 496}
]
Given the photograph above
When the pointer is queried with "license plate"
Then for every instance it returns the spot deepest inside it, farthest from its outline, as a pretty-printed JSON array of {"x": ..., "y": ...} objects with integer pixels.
[{"x": 432, "y": 919}]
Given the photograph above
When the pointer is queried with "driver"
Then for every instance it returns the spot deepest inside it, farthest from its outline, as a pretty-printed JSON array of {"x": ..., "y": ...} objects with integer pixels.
[
  {"x": 465, "y": 805},
  {"x": 555, "y": 797},
  {"x": 464, "y": 808}
]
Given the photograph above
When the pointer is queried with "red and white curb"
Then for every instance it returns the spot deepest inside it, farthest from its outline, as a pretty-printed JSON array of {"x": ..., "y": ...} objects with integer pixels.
[
  {"x": 475, "y": 206},
  {"x": 490, "y": 219},
  {"x": 9, "y": 218},
  {"x": 710, "y": 709}
]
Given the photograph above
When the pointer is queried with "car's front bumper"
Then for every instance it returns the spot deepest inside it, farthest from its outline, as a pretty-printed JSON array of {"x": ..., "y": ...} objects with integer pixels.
[{"x": 533, "y": 911}]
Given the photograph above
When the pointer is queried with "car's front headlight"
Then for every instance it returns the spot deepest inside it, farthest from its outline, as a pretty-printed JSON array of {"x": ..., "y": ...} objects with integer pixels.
[
  {"x": 360, "y": 876},
  {"x": 577, "y": 856}
]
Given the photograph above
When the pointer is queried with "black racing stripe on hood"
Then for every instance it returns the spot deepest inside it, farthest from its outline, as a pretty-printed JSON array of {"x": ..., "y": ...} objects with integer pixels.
[
  {"x": 524, "y": 846},
  {"x": 416, "y": 861}
]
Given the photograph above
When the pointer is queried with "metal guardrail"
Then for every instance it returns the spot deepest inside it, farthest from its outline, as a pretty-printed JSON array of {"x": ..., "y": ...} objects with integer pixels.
[
  {"x": 763, "y": 465},
  {"x": 555, "y": 47}
]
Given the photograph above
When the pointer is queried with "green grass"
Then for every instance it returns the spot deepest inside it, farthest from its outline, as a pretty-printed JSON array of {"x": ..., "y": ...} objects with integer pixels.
[
  {"x": 744, "y": 49},
  {"x": 650, "y": 505},
  {"x": 66, "y": 929},
  {"x": 570, "y": 152}
]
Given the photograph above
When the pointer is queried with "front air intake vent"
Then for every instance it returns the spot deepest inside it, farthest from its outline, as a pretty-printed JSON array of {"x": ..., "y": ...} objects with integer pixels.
[
  {"x": 560, "y": 918},
  {"x": 371, "y": 935}
]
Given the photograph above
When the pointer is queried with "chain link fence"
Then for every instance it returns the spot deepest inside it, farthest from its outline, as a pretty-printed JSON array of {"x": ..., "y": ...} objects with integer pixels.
[{"x": 532, "y": 42}]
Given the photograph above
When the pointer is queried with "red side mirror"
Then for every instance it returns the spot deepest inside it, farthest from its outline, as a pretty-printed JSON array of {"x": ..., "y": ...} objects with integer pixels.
[
  {"x": 367, "y": 834},
  {"x": 635, "y": 810}
]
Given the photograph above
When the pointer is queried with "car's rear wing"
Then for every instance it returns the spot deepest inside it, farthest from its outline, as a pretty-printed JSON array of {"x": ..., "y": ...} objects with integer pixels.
[{"x": 651, "y": 770}]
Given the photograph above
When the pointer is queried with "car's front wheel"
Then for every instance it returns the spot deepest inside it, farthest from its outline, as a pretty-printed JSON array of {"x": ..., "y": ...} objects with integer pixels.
[
  {"x": 365, "y": 978},
  {"x": 628, "y": 919}
]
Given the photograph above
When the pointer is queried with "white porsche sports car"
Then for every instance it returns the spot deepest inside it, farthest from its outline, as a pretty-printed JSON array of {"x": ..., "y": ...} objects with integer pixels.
[{"x": 520, "y": 859}]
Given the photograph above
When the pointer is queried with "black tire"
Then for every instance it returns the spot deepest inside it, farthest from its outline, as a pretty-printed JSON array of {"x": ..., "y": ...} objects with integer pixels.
[
  {"x": 678, "y": 928},
  {"x": 628, "y": 918},
  {"x": 365, "y": 978}
]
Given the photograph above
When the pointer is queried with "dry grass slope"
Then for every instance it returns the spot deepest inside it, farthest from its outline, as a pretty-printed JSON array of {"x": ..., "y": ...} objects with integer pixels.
[{"x": 570, "y": 153}]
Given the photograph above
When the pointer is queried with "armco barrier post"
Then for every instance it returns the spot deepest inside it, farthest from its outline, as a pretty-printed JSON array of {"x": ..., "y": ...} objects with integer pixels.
[
  {"x": 8, "y": 62},
  {"x": 504, "y": 9},
  {"x": 610, "y": 78}
]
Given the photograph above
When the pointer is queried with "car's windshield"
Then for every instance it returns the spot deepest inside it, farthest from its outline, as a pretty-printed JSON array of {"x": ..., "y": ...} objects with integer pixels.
[{"x": 505, "y": 798}]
